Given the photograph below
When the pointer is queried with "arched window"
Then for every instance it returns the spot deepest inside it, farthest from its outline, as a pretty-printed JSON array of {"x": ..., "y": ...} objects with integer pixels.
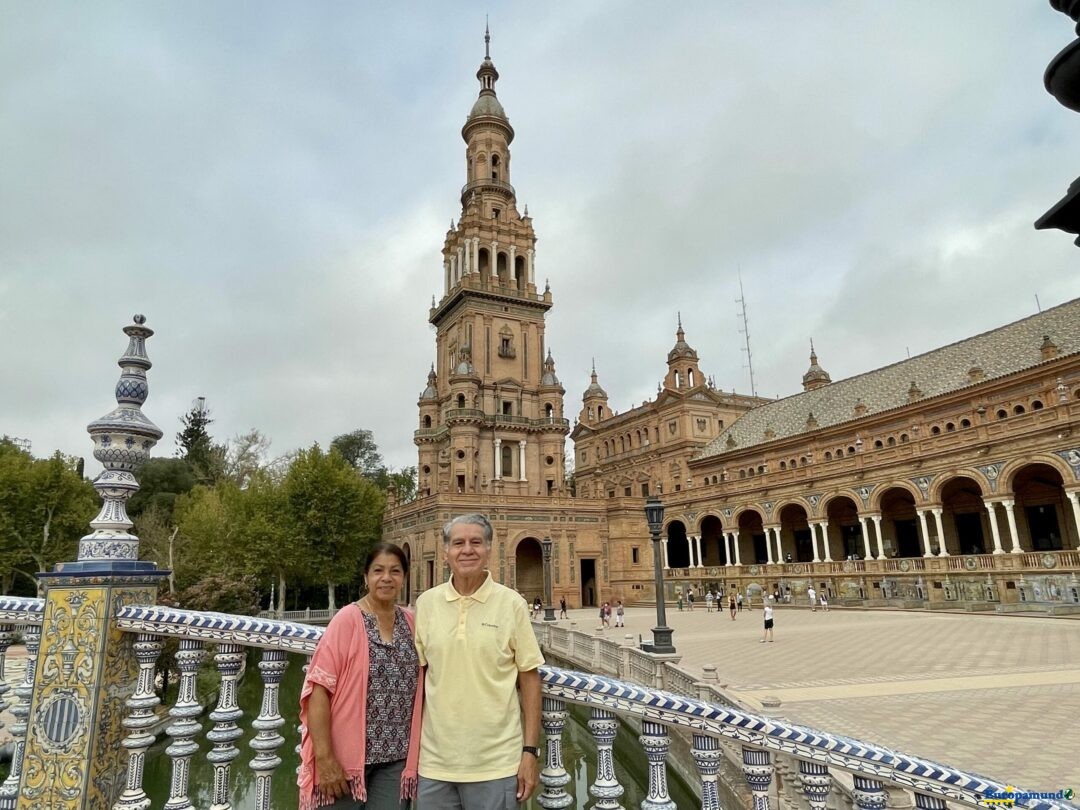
[
  {"x": 965, "y": 423},
  {"x": 851, "y": 450},
  {"x": 622, "y": 445},
  {"x": 761, "y": 469},
  {"x": 877, "y": 444},
  {"x": 485, "y": 263},
  {"x": 592, "y": 413},
  {"x": 1002, "y": 413},
  {"x": 690, "y": 377},
  {"x": 828, "y": 456},
  {"x": 891, "y": 441},
  {"x": 839, "y": 452},
  {"x": 1036, "y": 405},
  {"x": 520, "y": 272},
  {"x": 600, "y": 410},
  {"x": 427, "y": 421},
  {"x": 494, "y": 167},
  {"x": 783, "y": 465},
  {"x": 1019, "y": 409},
  {"x": 742, "y": 473},
  {"x": 793, "y": 464},
  {"x": 935, "y": 430},
  {"x": 461, "y": 400},
  {"x": 903, "y": 438},
  {"x": 507, "y": 461},
  {"x": 802, "y": 460},
  {"x": 949, "y": 427},
  {"x": 750, "y": 473}
]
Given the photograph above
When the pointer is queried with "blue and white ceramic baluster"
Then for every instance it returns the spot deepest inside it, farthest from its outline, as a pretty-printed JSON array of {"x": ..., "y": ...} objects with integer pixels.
[
  {"x": 9, "y": 791},
  {"x": 228, "y": 658},
  {"x": 654, "y": 739},
  {"x": 605, "y": 788},
  {"x": 816, "y": 783},
  {"x": 924, "y": 801},
  {"x": 139, "y": 721},
  {"x": 185, "y": 713},
  {"x": 299, "y": 728},
  {"x": 758, "y": 769},
  {"x": 554, "y": 776},
  {"x": 706, "y": 754},
  {"x": 268, "y": 740},
  {"x": 7, "y": 638},
  {"x": 869, "y": 794}
]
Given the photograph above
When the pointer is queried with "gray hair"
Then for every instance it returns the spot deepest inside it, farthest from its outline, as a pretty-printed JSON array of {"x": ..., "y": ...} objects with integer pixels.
[{"x": 474, "y": 519}]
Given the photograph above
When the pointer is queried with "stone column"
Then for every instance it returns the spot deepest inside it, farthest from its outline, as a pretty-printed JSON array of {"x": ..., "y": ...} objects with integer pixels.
[
  {"x": 521, "y": 460},
  {"x": 529, "y": 265},
  {"x": 498, "y": 459},
  {"x": 511, "y": 264},
  {"x": 768, "y": 545},
  {"x": 824, "y": 526},
  {"x": 880, "y": 542},
  {"x": 868, "y": 554},
  {"x": 813, "y": 541},
  {"x": 476, "y": 254},
  {"x": 735, "y": 543},
  {"x": 453, "y": 269},
  {"x": 1014, "y": 535},
  {"x": 663, "y": 545},
  {"x": 991, "y": 511},
  {"x": 924, "y": 535},
  {"x": 942, "y": 552},
  {"x": 727, "y": 550},
  {"x": 446, "y": 275},
  {"x": 466, "y": 258},
  {"x": 1075, "y": 501},
  {"x": 494, "y": 258},
  {"x": 697, "y": 545}
]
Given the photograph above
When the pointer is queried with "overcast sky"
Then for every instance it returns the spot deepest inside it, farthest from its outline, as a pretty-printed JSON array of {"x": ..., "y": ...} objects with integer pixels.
[{"x": 270, "y": 183}]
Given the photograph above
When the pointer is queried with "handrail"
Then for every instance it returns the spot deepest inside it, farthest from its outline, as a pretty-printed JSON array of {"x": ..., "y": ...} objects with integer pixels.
[{"x": 21, "y": 610}]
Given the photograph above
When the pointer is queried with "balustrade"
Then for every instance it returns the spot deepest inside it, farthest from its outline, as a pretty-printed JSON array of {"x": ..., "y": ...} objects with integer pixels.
[{"x": 716, "y": 731}]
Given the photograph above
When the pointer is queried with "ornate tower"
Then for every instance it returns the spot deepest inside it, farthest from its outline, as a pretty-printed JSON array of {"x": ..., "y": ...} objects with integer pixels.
[
  {"x": 491, "y": 417},
  {"x": 683, "y": 372}
]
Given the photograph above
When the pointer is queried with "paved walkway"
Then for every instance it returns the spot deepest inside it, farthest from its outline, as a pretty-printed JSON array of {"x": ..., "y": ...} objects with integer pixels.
[{"x": 996, "y": 695}]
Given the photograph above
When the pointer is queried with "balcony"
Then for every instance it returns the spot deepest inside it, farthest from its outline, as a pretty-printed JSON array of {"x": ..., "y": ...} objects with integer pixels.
[{"x": 488, "y": 184}]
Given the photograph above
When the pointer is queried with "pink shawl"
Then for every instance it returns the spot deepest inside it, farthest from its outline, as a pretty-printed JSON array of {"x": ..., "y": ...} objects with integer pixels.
[{"x": 340, "y": 665}]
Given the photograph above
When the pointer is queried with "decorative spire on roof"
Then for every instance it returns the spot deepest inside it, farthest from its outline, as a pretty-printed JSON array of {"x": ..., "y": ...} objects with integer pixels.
[
  {"x": 431, "y": 391},
  {"x": 1048, "y": 348},
  {"x": 815, "y": 376},
  {"x": 549, "y": 377},
  {"x": 594, "y": 389},
  {"x": 681, "y": 350}
]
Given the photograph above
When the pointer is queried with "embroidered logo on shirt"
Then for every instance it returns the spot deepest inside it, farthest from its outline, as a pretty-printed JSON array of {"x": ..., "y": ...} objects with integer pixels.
[{"x": 488, "y": 624}]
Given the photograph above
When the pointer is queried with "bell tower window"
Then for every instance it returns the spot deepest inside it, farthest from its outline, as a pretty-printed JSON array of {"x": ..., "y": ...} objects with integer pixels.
[{"x": 494, "y": 167}]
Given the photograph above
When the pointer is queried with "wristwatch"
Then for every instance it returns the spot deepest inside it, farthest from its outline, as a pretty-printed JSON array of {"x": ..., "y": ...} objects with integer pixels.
[{"x": 531, "y": 749}]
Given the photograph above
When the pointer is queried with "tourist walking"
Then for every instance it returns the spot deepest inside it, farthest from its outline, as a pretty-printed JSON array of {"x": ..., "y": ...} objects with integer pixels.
[
  {"x": 690, "y": 599},
  {"x": 824, "y": 599},
  {"x": 811, "y": 594},
  {"x": 708, "y": 601},
  {"x": 538, "y": 606},
  {"x": 732, "y": 606},
  {"x": 619, "y": 613},
  {"x": 739, "y": 599},
  {"x": 562, "y": 607},
  {"x": 749, "y": 600},
  {"x": 353, "y": 750},
  {"x": 767, "y": 635}
]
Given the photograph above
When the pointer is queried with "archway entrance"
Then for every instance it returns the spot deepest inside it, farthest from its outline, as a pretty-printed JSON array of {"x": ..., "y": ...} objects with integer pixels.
[
  {"x": 678, "y": 546},
  {"x": 964, "y": 516},
  {"x": 844, "y": 525},
  {"x": 529, "y": 565},
  {"x": 712, "y": 541},
  {"x": 795, "y": 533},
  {"x": 751, "y": 538},
  {"x": 898, "y": 510},
  {"x": 1040, "y": 499}
]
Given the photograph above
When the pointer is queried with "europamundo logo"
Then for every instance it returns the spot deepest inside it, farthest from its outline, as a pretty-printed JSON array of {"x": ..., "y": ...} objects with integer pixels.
[{"x": 1010, "y": 796}]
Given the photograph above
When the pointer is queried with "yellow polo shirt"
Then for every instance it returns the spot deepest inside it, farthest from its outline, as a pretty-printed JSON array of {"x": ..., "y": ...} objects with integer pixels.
[{"x": 473, "y": 648}]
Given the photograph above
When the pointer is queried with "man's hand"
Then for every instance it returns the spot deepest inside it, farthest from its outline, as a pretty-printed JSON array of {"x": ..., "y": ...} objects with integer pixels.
[
  {"x": 330, "y": 778},
  {"x": 528, "y": 776}
]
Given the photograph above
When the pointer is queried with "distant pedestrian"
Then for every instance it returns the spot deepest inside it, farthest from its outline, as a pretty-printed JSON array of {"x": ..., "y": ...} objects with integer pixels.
[
  {"x": 619, "y": 613},
  {"x": 739, "y": 599},
  {"x": 690, "y": 599},
  {"x": 824, "y": 599},
  {"x": 605, "y": 615},
  {"x": 538, "y": 606},
  {"x": 767, "y": 635},
  {"x": 708, "y": 601},
  {"x": 562, "y": 608},
  {"x": 749, "y": 600},
  {"x": 811, "y": 594},
  {"x": 732, "y": 606}
]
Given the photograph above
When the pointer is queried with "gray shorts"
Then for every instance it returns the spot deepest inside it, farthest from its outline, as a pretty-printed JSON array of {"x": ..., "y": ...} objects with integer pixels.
[
  {"x": 495, "y": 794},
  {"x": 383, "y": 789}
]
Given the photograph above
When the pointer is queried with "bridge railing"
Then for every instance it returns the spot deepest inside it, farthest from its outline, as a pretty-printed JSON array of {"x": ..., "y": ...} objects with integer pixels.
[{"x": 877, "y": 774}]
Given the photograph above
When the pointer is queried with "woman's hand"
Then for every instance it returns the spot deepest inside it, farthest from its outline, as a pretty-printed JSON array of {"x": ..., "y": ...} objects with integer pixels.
[{"x": 329, "y": 777}]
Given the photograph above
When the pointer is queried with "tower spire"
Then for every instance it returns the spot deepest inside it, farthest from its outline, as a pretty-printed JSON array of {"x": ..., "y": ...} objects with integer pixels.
[{"x": 487, "y": 38}]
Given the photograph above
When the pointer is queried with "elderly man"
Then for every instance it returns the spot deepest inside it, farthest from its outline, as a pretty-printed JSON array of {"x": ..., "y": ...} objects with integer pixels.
[{"x": 478, "y": 744}]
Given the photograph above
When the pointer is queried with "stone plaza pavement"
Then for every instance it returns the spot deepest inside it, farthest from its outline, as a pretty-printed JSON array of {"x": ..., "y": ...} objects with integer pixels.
[{"x": 994, "y": 695}]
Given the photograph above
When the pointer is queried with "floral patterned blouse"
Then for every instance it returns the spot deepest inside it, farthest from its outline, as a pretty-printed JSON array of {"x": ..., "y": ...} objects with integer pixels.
[{"x": 394, "y": 668}]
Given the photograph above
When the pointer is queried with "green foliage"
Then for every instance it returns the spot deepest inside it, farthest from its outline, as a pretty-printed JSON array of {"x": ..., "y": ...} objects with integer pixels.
[
  {"x": 45, "y": 507},
  {"x": 161, "y": 482},
  {"x": 360, "y": 452},
  {"x": 223, "y": 594},
  {"x": 197, "y": 448}
]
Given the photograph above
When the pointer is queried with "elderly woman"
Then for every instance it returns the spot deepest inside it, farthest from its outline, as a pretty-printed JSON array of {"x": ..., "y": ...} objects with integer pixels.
[{"x": 361, "y": 702}]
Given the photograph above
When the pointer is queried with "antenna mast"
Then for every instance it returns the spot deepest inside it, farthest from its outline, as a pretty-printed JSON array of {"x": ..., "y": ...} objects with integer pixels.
[{"x": 745, "y": 332}]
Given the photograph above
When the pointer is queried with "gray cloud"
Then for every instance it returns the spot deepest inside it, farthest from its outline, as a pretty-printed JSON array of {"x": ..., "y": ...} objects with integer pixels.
[{"x": 270, "y": 184}]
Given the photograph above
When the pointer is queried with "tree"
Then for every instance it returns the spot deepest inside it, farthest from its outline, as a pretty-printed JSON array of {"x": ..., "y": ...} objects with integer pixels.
[
  {"x": 161, "y": 482},
  {"x": 334, "y": 514},
  {"x": 45, "y": 507},
  {"x": 360, "y": 451},
  {"x": 246, "y": 456},
  {"x": 195, "y": 445}
]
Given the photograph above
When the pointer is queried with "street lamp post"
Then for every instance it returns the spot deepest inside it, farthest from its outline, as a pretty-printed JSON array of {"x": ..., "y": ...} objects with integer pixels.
[
  {"x": 654, "y": 514},
  {"x": 549, "y": 609}
]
